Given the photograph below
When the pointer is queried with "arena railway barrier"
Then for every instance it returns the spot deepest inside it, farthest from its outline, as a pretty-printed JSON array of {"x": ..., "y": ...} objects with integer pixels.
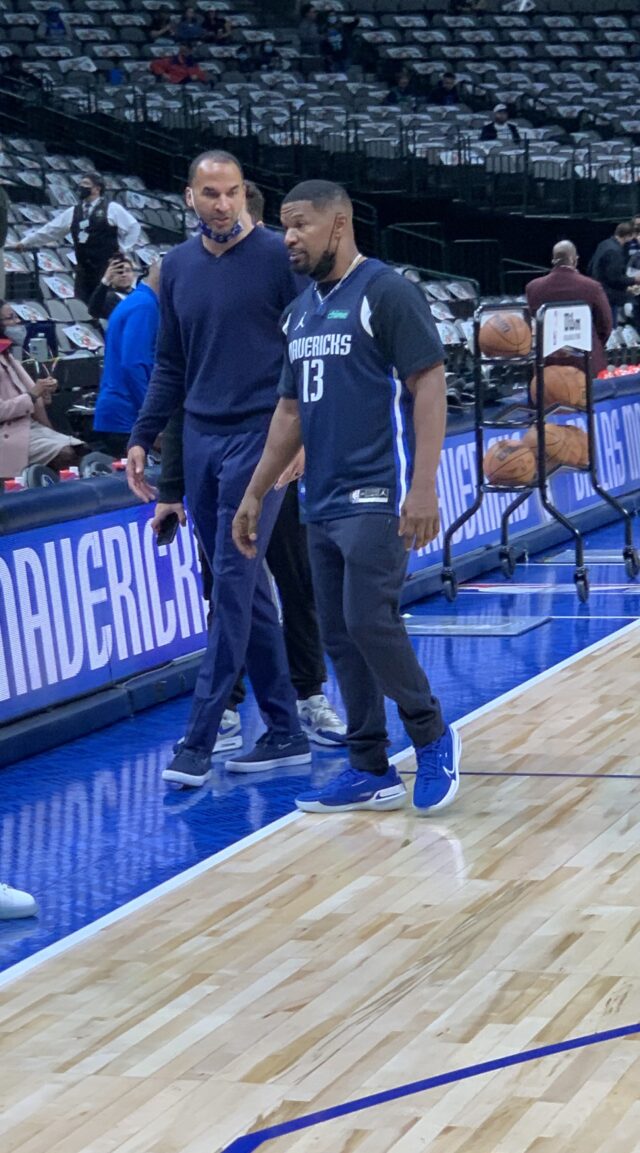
[
  {"x": 96, "y": 622},
  {"x": 556, "y": 327}
]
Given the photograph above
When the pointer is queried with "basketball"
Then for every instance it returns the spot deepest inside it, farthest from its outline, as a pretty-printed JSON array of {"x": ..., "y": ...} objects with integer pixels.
[
  {"x": 553, "y": 442},
  {"x": 563, "y": 384},
  {"x": 505, "y": 334},
  {"x": 510, "y": 462},
  {"x": 575, "y": 447}
]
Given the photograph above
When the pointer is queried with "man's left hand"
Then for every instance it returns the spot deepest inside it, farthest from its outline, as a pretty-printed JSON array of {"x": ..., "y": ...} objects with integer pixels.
[{"x": 419, "y": 519}]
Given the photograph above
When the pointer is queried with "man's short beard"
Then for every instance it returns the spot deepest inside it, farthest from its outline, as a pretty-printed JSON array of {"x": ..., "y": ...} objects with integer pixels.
[{"x": 324, "y": 266}]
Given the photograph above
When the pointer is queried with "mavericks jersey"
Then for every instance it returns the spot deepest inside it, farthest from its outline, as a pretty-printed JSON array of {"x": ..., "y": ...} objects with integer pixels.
[{"x": 348, "y": 355}]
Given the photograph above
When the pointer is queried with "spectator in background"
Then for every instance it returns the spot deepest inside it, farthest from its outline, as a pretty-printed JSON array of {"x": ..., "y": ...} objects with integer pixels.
[
  {"x": 266, "y": 57},
  {"x": 402, "y": 93},
  {"x": 501, "y": 128},
  {"x": 53, "y": 27},
  {"x": 128, "y": 362},
  {"x": 100, "y": 229},
  {"x": 564, "y": 282},
  {"x": 26, "y": 435},
  {"x": 189, "y": 28},
  {"x": 243, "y": 60},
  {"x": 337, "y": 40},
  {"x": 5, "y": 205},
  {"x": 116, "y": 74},
  {"x": 609, "y": 265},
  {"x": 161, "y": 26},
  {"x": 216, "y": 27},
  {"x": 117, "y": 282},
  {"x": 445, "y": 92},
  {"x": 15, "y": 76},
  {"x": 308, "y": 31},
  {"x": 181, "y": 68}
]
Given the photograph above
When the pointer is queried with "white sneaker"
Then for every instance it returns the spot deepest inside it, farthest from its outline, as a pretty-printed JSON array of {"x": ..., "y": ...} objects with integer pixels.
[
  {"x": 320, "y": 722},
  {"x": 229, "y": 732},
  {"x": 14, "y": 903}
]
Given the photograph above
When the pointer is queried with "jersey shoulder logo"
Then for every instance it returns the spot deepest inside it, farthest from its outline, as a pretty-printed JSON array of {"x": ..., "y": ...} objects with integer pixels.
[{"x": 300, "y": 323}]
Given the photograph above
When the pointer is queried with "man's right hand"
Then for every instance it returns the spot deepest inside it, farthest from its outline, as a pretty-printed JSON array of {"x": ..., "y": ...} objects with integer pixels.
[
  {"x": 244, "y": 529},
  {"x": 136, "y": 461},
  {"x": 114, "y": 266},
  {"x": 165, "y": 510},
  {"x": 18, "y": 247}
]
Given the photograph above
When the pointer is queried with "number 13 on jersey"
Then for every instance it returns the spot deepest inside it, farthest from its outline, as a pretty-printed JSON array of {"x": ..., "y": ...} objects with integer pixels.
[{"x": 312, "y": 380}]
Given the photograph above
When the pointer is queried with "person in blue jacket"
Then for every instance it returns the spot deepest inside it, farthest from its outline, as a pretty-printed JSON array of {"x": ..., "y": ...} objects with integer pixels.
[{"x": 128, "y": 363}]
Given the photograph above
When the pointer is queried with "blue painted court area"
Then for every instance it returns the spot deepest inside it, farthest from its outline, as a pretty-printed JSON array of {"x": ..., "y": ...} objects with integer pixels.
[{"x": 90, "y": 826}]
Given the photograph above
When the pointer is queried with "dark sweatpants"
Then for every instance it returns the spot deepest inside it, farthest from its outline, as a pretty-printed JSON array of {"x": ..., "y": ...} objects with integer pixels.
[
  {"x": 244, "y": 626},
  {"x": 359, "y": 565}
]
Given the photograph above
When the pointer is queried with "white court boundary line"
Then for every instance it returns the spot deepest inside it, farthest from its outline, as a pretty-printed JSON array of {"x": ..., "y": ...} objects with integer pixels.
[{"x": 30, "y": 963}]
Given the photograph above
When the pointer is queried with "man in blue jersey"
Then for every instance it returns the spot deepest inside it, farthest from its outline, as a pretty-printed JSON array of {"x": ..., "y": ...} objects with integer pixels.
[
  {"x": 363, "y": 389},
  {"x": 219, "y": 354}
]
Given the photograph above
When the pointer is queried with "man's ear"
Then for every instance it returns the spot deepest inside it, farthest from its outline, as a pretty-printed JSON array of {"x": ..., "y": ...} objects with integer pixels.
[
  {"x": 339, "y": 225},
  {"x": 188, "y": 196}
]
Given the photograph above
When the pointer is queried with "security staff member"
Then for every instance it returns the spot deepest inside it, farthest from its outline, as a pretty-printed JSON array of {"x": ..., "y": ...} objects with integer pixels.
[{"x": 100, "y": 229}]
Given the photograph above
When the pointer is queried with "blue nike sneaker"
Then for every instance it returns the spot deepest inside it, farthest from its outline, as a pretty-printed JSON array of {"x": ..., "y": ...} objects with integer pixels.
[
  {"x": 354, "y": 790},
  {"x": 438, "y": 773}
]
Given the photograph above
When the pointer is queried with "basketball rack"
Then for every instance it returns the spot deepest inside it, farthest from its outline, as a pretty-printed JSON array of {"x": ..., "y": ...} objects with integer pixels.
[{"x": 552, "y": 324}]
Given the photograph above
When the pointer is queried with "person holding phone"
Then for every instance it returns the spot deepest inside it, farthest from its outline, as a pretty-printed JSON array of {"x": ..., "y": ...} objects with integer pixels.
[
  {"x": 26, "y": 435},
  {"x": 116, "y": 284},
  {"x": 128, "y": 363}
]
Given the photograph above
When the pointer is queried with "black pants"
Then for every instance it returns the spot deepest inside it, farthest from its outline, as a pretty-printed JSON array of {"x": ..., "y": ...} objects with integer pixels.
[
  {"x": 288, "y": 560},
  {"x": 359, "y": 565},
  {"x": 87, "y": 279},
  {"x": 114, "y": 443}
]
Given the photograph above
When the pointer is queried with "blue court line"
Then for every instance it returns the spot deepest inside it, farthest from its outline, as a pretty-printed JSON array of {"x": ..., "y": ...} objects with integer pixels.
[
  {"x": 253, "y": 1141},
  {"x": 571, "y": 776}
]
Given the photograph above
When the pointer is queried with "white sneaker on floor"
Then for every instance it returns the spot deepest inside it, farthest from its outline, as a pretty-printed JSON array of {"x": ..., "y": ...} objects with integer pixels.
[
  {"x": 229, "y": 732},
  {"x": 14, "y": 903},
  {"x": 320, "y": 722}
]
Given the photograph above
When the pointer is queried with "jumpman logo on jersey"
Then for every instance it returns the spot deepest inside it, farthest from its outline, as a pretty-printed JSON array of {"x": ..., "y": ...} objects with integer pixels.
[{"x": 300, "y": 323}]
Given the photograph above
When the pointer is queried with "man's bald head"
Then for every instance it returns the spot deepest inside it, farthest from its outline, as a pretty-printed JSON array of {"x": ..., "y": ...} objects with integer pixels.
[{"x": 564, "y": 253}]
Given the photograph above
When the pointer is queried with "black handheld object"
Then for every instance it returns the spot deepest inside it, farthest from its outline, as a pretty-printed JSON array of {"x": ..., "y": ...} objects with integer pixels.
[{"x": 168, "y": 529}]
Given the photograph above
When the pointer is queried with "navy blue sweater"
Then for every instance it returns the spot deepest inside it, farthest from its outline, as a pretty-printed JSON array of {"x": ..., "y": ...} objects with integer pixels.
[{"x": 220, "y": 345}]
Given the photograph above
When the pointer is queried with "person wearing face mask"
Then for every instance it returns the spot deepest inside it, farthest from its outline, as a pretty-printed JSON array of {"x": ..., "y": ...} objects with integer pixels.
[
  {"x": 11, "y": 326},
  {"x": 100, "y": 229},
  {"x": 26, "y": 435},
  {"x": 218, "y": 356},
  {"x": 336, "y": 45},
  {"x": 267, "y": 58}
]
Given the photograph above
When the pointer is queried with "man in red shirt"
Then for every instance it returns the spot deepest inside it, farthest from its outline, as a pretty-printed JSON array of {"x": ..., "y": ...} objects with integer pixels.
[{"x": 564, "y": 282}]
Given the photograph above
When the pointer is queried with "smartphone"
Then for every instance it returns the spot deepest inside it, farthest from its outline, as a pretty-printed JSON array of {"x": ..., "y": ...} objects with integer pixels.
[{"x": 168, "y": 529}]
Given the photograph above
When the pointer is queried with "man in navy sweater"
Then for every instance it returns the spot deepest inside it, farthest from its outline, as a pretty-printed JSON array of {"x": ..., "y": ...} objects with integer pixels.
[
  {"x": 219, "y": 354},
  {"x": 363, "y": 389}
]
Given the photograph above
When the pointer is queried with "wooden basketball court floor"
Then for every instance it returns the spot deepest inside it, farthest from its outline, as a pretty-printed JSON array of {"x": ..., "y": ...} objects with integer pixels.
[{"x": 340, "y": 957}]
